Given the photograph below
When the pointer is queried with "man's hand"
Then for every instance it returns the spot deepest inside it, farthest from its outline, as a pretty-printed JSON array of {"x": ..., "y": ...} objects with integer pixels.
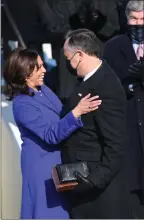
[
  {"x": 137, "y": 69},
  {"x": 84, "y": 183}
]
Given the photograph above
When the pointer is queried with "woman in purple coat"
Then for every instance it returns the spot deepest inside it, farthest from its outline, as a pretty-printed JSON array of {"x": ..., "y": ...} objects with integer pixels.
[{"x": 37, "y": 111}]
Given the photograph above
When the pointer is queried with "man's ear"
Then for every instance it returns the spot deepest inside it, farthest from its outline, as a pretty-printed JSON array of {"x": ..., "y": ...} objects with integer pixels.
[{"x": 81, "y": 55}]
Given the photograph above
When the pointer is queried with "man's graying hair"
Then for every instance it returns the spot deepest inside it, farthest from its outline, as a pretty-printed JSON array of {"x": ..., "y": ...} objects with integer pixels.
[
  {"x": 84, "y": 40},
  {"x": 134, "y": 6}
]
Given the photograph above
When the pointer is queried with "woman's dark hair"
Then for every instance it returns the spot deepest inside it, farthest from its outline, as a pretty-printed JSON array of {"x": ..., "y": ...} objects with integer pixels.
[{"x": 18, "y": 66}]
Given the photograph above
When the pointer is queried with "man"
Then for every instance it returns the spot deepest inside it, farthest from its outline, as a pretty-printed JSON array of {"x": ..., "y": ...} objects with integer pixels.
[
  {"x": 121, "y": 52},
  {"x": 103, "y": 139},
  {"x": 93, "y": 15}
]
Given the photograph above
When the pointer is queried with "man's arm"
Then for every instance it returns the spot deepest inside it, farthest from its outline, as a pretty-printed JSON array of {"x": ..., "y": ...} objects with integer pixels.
[{"x": 111, "y": 120}]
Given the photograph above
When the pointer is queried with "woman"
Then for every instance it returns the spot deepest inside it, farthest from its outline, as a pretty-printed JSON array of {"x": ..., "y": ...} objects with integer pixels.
[{"x": 36, "y": 111}]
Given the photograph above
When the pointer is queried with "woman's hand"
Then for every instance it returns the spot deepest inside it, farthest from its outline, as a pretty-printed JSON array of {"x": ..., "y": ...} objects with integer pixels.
[{"x": 86, "y": 104}]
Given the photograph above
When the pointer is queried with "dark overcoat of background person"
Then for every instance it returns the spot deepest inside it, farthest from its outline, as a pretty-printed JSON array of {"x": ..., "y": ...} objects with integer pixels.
[{"x": 120, "y": 54}]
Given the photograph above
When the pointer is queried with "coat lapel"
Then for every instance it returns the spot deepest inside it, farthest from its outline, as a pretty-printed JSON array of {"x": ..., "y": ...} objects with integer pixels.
[
  {"x": 127, "y": 49},
  {"x": 48, "y": 99}
]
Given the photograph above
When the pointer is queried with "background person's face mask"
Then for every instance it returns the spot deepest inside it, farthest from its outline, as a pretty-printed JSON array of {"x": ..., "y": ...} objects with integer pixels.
[{"x": 136, "y": 33}]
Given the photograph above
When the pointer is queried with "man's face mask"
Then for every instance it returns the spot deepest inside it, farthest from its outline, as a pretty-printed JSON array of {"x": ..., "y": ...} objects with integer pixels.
[
  {"x": 136, "y": 33},
  {"x": 72, "y": 70}
]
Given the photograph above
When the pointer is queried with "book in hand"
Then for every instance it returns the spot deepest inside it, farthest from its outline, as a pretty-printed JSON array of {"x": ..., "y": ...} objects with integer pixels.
[{"x": 63, "y": 175}]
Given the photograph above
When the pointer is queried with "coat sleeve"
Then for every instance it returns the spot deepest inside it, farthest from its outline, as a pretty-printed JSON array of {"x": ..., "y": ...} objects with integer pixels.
[
  {"x": 31, "y": 118},
  {"x": 111, "y": 122}
]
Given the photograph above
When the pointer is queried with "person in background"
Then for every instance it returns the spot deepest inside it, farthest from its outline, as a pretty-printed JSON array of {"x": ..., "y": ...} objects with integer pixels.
[
  {"x": 102, "y": 141},
  {"x": 124, "y": 54},
  {"x": 95, "y": 16},
  {"x": 121, "y": 6},
  {"x": 59, "y": 16},
  {"x": 104, "y": 22},
  {"x": 37, "y": 112}
]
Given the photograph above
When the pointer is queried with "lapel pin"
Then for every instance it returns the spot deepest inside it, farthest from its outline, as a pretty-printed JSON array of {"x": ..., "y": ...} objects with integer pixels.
[{"x": 79, "y": 94}]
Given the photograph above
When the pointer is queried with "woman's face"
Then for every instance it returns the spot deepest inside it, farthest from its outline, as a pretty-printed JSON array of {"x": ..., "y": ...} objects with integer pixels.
[{"x": 37, "y": 76}]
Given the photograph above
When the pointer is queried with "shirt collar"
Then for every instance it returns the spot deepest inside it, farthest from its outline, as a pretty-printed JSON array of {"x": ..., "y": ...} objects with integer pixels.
[
  {"x": 135, "y": 45},
  {"x": 92, "y": 72}
]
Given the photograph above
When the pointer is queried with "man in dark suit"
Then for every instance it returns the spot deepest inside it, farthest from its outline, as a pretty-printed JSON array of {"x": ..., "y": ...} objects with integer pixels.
[
  {"x": 121, "y": 52},
  {"x": 95, "y": 16},
  {"x": 102, "y": 141}
]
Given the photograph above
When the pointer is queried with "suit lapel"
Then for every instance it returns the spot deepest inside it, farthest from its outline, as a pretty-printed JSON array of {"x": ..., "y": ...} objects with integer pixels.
[
  {"x": 86, "y": 86},
  {"x": 83, "y": 89},
  {"x": 127, "y": 49},
  {"x": 52, "y": 98}
]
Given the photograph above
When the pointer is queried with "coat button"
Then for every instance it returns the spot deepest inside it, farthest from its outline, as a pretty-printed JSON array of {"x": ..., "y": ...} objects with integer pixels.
[
  {"x": 138, "y": 100},
  {"x": 140, "y": 124}
]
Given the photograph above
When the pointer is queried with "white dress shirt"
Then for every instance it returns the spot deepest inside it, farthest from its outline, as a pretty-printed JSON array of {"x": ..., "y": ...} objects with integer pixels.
[{"x": 92, "y": 72}]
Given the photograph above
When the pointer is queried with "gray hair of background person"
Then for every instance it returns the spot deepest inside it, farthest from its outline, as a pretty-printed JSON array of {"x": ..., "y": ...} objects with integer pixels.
[
  {"x": 134, "y": 6},
  {"x": 84, "y": 40}
]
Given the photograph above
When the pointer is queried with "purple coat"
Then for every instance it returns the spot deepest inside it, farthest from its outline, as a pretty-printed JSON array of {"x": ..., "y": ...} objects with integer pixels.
[{"x": 38, "y": 119}]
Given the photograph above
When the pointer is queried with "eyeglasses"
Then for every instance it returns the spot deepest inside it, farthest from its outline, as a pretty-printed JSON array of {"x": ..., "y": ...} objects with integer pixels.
[{"x": 73, "y": 56}]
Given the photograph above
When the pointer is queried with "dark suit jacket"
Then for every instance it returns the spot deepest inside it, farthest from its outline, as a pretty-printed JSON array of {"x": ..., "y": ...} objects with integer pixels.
[
  {"x": 120, "y": 54},
  {"x": 101, "y": 142}
]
